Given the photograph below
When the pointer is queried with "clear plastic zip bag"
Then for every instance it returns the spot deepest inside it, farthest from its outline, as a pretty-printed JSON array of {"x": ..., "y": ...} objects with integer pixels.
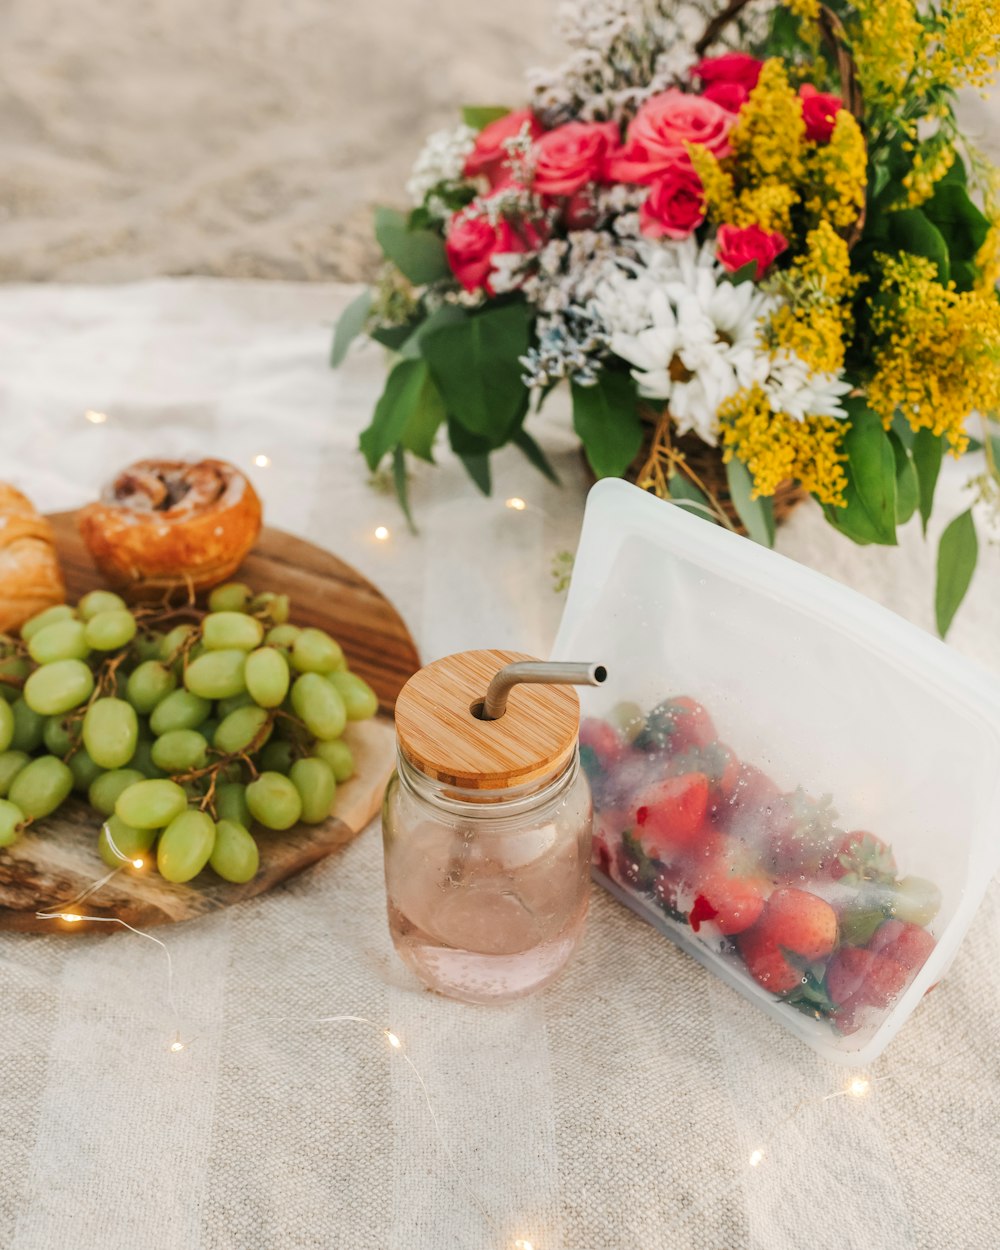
[{"x": 796, "y": 785}]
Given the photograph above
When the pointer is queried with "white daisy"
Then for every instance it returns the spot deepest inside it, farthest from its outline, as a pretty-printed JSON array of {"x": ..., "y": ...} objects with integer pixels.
[{"x": 792, "y": 387}]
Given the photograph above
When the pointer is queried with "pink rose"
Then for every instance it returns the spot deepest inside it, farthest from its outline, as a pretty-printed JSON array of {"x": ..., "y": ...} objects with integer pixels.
[
  {"x": 658, "y": 132},
  {"x": 730, "y": 95},
  {"x": 819, "y": 112},
  {"x": 570, "y": 156},
  {"x": 737, "y": 246},
  {"x": 732, "y": 67},
  {"x": 675, "y": 206},
  {"x": 472, "y": 241},
  {"x": 489, "y": 156}
]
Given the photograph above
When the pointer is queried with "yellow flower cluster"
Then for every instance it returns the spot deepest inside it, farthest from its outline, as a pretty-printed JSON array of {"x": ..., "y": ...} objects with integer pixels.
[
  {"x": 838, "y": 174},
  {"x": 930, "y": 164},
  {"x": 806, "y": 9},
  {"x": 887, "y": 41},
  {"x": 988, "y": 260},
  {"x": 775, "y": 447},
  {"x": 938, "y": 358},
  {"x": 964, "y": 43},
  {"x": 767, "y": 139}
]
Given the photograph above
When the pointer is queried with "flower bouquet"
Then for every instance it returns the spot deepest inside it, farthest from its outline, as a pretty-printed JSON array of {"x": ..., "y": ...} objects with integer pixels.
[{"x": 752, "y": 242}]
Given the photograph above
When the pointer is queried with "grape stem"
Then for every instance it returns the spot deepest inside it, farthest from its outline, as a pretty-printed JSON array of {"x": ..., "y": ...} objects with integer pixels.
[{"x": 213, "y": 770}]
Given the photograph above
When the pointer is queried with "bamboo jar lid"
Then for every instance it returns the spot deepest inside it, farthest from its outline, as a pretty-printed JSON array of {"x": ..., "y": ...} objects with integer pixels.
[{"x": 442, "y": 738}]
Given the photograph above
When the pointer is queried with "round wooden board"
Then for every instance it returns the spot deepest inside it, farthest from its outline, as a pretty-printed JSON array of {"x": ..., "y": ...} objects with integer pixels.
[{"x": 57, "y": 860}]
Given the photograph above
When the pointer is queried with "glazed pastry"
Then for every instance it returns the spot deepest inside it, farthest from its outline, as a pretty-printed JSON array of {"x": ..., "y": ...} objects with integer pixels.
[
  {"x": 30, "y": 577},
  {"x": 167, "y": 523}
]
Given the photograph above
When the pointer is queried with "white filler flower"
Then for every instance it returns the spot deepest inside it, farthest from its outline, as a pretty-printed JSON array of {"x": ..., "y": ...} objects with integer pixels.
[
  {"x": 441, "y": 161},
  {"x": 792, "y": 387}
]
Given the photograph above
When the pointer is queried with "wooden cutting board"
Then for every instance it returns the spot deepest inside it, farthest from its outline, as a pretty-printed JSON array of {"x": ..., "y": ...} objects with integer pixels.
[{"x": 57, "y": 859}]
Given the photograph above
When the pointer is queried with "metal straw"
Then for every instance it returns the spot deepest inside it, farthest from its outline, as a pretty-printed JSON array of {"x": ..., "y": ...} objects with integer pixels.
[{"x": 540, "y": 673}]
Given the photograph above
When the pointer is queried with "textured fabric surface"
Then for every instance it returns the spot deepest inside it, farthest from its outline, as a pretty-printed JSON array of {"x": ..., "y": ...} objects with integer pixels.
[{"x": 620, "y": 1107}]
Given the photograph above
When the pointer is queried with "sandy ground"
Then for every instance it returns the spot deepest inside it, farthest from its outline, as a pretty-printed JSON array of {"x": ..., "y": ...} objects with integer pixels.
[{"x": 239, "y": 137}]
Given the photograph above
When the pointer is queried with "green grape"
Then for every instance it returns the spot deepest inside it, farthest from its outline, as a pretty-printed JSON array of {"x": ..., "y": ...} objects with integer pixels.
[
  {"x": 223, "y": 631},
  {"x": 274, "y": 801},
  {"x": 29, "y": 727},
  {"x": 338, "y": 755},
  {"x": 235, "y": 856},
  {"x": 131, "y": 844},
  {"x": 148, "y": 646},
  {"x": 105, "y": 789},
  {"x": 11, "y": 763},
  {"x": 225, "y": 706},
  {"x": 59, "y": 687},
  {"x": 41, "y": 786},
  {"x": 100, "y": 601},
  {"x": 319, "y": 706},
  {"x": 61, "y": 612},
  {"x": 142, "y": 761},
  {"x": 111, "y": 732},
  {"x": 174, "y": 640},
  {"x": 282, "y": 636},
  {"x": 231, "y": 803},
  {"x": 107, "y": 631},
  {"x": 6, "y": 726},
  {"x": 85, "y": 771},
  {"x": 275, "y": 607},
  {"x": 316, "y": 785},
  {"x": 315, "y": 652},
  {"x": 277, "y": 757},
  {"x": 148, "y": 685},
  {"x": 179, "y": 710},
  {"x": 185, "y": 846},
  {"x": 64, "y": 640},
  {"x": 230, "y": 597},
  {"x": 150, "y": 804},
  {"x": 217, "y": 674},
  {"x": 267, "y": 676},
  {"x": 179, "y": 750},
  {"x": 11, "y": 819},
  {"x": 360, "y": 700},
  {"x": 240, "y": 729},
  {"x": 208, "y": 728},
  {"x": 13, "y": 670},
  {"x": 60, "y": 735}
]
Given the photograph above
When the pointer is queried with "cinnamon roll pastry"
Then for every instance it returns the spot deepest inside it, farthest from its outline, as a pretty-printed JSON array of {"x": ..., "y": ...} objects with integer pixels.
[
  {"x": 30, "y": 577},
  {"x": 162, "y": 524}
]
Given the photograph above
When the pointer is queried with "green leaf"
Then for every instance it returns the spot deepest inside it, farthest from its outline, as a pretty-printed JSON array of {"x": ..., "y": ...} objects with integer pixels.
[
  {"x": 446, "y": 315},
  {"x": 350, "y": 323},
  {"x": 756, "y": 514},
  {"x": 473, "y": 452},
  {"x": 870, "y": 512},
  {"x": 907, "y": 490},
  {"x": 686, "y": 495},
  {"x": 962, "y": 224},
  {"x": 606, "y": 419},
  {"x": 523, "y": 440},
  {"x": 417, "y": 254},
  {"x": 402, "y": 486},
  {"x": 478, "y": 116},
  {"x": 957, "y": 556},
  {"x": 910, "y": 230},
  {"x": 408, "y": 397},
  {"x": 476, "y": 366},
  {"x": 927, "y": 452},
  {"x": 393, "y": 337}
]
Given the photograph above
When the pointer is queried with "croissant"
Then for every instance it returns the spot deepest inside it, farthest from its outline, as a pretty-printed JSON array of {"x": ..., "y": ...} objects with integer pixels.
[
  {"x": 30, "y": 577},
  {"x": 167, "y": 523}
]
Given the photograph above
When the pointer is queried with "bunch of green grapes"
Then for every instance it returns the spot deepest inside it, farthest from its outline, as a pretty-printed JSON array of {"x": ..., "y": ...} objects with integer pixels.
[{"x": 181, "y": 738}]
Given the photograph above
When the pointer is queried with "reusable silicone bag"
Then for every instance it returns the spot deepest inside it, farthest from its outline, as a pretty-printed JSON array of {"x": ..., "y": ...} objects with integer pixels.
[{"x": 797, "y": 786}]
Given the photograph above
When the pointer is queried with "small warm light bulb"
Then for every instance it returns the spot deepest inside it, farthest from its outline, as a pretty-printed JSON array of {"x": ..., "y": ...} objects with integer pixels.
[
  {"x": 859, "y": 1086},
  {"x": 138, "y": 863},
  {"x": 262, "y": 461},
  {"x": 756, "y": 1158},
  {"x": 392, "y": 1039},
  {"x": 521, "y": 1244},
  {"x": 69, "y": 917},
  {"x": 177, "y": 1046},
  {"x": 381, "y": 533},
  {"x": 94, "y": 417},
  {"x": 516, "y": 504}
]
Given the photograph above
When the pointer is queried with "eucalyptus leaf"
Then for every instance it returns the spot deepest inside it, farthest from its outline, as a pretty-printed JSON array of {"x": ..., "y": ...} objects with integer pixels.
[
  {"x": 478, "y": 116},
  {"x": 927, "y": 454},
  {"x": 756, "y": 514},
  {"x": 418, "y": 254},
  {"x": 607, "y": 421},
  {"x": 957, "y": 555},
  {"x": 350, "y": 323},
  {"x": 907, "y": 489}
]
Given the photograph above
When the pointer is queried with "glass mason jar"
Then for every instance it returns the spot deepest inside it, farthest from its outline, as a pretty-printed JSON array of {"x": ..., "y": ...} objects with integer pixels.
[{"x": 487, "y": 890}]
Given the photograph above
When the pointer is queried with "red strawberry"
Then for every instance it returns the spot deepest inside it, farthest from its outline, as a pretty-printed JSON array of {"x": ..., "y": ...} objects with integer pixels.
[
  {"x": 670, "y": 814},
  {"x": 767, "y": 963},
  {"x": 800, "y": 921},
  {"x": 910, "y": 946},
  {"x": 603, "y": 739},
  {"x": 862, "y": 856},
  {"x": 675, "y": 725},
  {"x": 732, "y": 903},
  {"x": 600, "y": 854},
  {"x": 847, "y": 971},
  {"x": 885, "y": 979},
  {"x": 885, "y": 935}
]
